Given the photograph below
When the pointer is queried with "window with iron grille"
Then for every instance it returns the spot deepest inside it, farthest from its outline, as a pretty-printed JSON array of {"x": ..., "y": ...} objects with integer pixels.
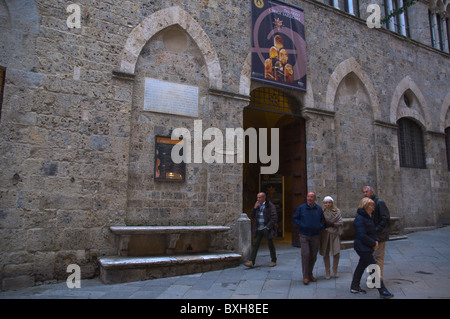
[
  {"x": 447, "y": 143},
  {"x": 2, "y": 85},
  {"x": 271, "y": 100},
  {"x": 410, "y": 142}
]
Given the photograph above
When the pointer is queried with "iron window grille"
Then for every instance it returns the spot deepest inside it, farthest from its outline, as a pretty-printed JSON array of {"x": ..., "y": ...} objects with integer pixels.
[
  {"x": 271, "y": 100},
  {"x": 411, "y": 145}
]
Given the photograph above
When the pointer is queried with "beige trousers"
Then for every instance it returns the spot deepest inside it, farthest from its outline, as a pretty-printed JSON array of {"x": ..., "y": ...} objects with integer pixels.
[{"x": 378, "y": 255}]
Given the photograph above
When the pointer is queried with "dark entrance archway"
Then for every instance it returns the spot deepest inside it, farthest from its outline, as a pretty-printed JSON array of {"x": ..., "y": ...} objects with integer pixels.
[{"x": 270, "y": 108}]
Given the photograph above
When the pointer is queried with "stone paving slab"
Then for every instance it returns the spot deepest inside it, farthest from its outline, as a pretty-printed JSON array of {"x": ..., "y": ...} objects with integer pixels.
[{"x": 416, "y": 268}]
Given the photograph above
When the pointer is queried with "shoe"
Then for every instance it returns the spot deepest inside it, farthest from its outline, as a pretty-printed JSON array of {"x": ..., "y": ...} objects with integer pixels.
[
  {"x": 272, "y": 264},
  {"x": 385, "y": 294},
  {"x": 312, "y": 279},
  {"x": 336, "y": 275},
  {"x": 249, "y": 264},
  {"x": 357, "y": 290},
  {"x": 305, "y": 281}
]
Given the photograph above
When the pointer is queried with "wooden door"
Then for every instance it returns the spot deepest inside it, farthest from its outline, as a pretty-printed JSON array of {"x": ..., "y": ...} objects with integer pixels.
[{"x": 293, "y": 167}]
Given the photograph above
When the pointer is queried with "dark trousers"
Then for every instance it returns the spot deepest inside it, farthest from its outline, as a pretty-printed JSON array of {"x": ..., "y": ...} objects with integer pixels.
[
  {"x": 309, "y": 246},
  {"x": 257, "y": 241},
  {"x": 365, "y": 259}
]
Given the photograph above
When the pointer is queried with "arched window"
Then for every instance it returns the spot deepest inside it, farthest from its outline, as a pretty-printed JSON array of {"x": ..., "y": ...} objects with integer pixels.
[
  {"x": 447, "y": 143},
  {"x": 410, "y": 142}
]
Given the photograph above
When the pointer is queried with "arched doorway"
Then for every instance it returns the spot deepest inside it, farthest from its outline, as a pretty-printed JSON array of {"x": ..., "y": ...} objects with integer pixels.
[{"x": 270, "y": 108}]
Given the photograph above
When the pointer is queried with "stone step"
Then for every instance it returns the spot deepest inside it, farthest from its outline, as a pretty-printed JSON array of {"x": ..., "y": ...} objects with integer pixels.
[{"x": 119, "y": 269}]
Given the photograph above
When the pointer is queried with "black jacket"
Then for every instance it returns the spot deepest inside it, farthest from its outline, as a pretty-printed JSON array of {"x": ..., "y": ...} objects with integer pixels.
[
  {"x": 381, "y": 218},
  {"x": 365, "y": 232},
  {"x": 270, "y": 219}
]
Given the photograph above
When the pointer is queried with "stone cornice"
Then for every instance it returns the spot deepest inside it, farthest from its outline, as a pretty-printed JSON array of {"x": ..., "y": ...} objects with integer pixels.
[
  {"x": 229, "y": 95},
  {"x": 123, "y": 75},
  {"x": 385, "y": 124},
  {"x": 308, "y": 111}
]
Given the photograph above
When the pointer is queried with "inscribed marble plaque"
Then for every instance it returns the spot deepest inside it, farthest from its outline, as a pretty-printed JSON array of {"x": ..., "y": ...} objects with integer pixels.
[{"x": 170, "y": 98}]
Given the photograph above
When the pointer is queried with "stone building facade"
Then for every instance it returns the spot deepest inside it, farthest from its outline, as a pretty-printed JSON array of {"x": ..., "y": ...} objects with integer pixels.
[{"x": 77, "y": 145}]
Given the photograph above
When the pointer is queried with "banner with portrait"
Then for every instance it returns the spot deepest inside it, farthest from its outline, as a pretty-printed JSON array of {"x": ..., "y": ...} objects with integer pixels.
[{"x": 278, "y": 44}]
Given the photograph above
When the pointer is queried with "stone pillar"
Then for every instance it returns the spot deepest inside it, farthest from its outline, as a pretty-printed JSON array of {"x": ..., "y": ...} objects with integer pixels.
[
  {"x": 244, "y": 236},
  {"x": 321, "y": 153}
]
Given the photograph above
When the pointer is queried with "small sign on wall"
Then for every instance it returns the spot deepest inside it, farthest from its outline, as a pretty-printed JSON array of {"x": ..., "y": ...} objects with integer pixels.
[
  {"x": 165, "y": 168},
  {"x": 170, "y": 98}
]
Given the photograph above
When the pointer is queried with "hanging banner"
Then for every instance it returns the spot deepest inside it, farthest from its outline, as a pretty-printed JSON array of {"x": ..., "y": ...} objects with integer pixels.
[{"x": 278, "y": 44}]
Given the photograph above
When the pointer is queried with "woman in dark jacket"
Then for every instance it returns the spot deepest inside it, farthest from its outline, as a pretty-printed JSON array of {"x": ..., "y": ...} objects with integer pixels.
[{"x": 366, "y": 241}]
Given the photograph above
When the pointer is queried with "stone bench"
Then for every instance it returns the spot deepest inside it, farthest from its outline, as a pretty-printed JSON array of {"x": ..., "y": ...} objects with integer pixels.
[
  {"x": 166, "y": 240},
  {"x": 148, "y": 252},
  {"x": 348, "y": 231}
]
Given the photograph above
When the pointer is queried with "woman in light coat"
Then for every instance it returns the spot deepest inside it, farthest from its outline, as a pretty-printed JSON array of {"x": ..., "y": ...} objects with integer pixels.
[{"x": 330, "y": 238}]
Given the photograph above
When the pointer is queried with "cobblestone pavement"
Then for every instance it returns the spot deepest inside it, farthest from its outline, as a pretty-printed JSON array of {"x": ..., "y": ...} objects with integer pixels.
[{"x": 416, "y": 267}]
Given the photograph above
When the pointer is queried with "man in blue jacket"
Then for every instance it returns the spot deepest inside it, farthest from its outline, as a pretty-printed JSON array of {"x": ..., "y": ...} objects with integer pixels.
[{"x": 310, "y": 220}]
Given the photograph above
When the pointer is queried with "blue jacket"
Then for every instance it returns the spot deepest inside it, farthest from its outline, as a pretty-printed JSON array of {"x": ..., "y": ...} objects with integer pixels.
[
  {"x": 309, "y": 219},
  {"x": 365, "y": 232}
]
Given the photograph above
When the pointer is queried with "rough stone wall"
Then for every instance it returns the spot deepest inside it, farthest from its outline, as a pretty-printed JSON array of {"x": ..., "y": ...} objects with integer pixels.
[
  {"x": 355, "y": 143},
  {"x": 69, "y": 129},
  {"x": 386, "y": 66},
  {"x": 77, "y": 149}
]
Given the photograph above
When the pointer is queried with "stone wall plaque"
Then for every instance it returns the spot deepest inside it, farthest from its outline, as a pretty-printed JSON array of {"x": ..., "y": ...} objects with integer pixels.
[{"x": 170, "y": 98}]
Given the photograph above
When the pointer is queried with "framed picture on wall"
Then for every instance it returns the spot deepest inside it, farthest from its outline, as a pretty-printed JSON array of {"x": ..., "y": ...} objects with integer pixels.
[{"x": 165, "y": 168}]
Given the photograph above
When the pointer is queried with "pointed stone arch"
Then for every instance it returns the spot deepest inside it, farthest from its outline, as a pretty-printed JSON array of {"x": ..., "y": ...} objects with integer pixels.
[
  {"x": 444, "y": 122},
  {"x": 160, "y": 20},
  {"x": 407, "y": 84},
  {"x": 245, "y": 80},
  {"x": 20, "y": 20},
  {"x": 342, "y": 70}
]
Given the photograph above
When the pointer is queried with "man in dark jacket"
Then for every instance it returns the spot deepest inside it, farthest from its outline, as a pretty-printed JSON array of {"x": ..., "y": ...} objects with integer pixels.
[
  {"x": 310, "y": 220},
  {"x": 381, "y": 219},
  {"x": 265, "y": 219}
]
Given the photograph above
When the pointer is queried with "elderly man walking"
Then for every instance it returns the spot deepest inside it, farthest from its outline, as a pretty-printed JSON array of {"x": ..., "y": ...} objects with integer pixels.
[
  {"x": 310, "y": 220},
  {"x": 265, "y": 218},
  {"x": 381, "y": 219}
]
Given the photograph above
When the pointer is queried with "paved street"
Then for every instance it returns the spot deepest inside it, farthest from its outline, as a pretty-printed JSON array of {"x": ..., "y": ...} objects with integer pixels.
[{"x": 417, "y": 267}]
